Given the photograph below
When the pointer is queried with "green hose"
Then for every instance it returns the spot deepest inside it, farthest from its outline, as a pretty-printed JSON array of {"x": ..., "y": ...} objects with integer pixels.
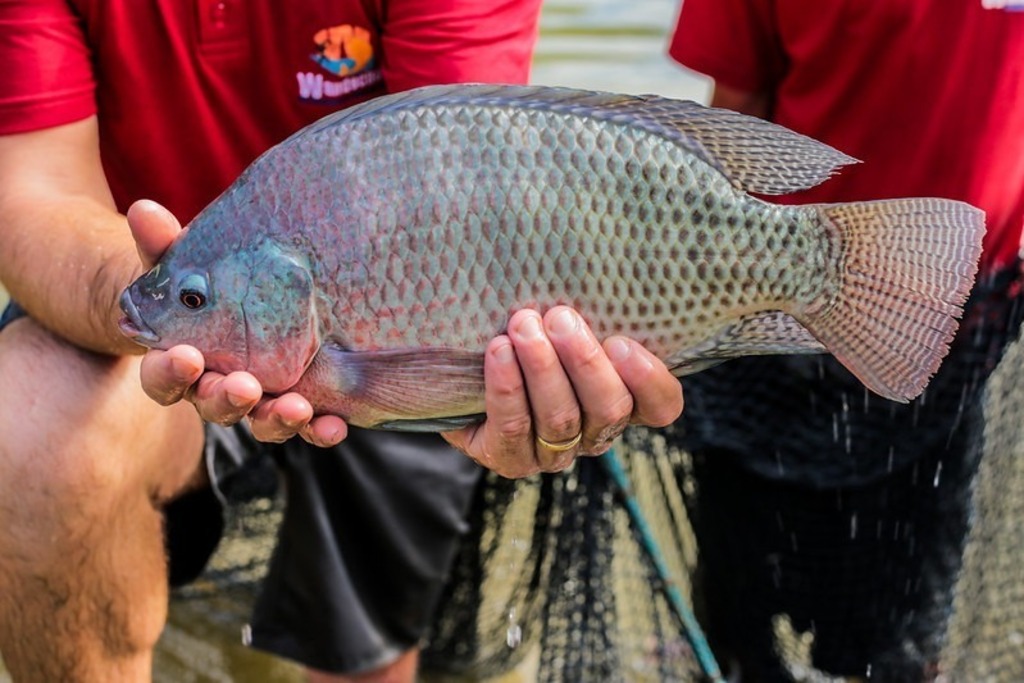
[{"x": 694, "y": 634}]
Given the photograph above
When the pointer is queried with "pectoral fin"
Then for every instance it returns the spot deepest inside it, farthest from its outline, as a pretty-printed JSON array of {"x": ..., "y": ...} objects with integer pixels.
[
  {"x": 760, "y": 334},
  {"x": 423, "y": 390}
]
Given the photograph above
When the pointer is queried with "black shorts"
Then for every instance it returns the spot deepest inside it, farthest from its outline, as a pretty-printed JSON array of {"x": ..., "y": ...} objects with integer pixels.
[{"x": 369, "y": 533}]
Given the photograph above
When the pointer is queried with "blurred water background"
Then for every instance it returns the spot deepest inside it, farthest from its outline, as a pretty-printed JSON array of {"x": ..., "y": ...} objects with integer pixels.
[{"x": 597, "y": 44}]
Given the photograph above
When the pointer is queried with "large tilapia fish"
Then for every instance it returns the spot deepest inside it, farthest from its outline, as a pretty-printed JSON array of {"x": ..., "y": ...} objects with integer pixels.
[{"x": 367, "y": 260}]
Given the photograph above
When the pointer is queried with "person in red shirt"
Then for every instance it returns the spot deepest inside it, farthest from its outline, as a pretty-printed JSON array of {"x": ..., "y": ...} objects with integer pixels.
[
  {"x": 106, "y": 101},
  {"x": 842, "y": 512}
]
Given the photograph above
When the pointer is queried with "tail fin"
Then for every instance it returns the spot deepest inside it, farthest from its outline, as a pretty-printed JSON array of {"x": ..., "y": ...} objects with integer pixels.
[{"x": 908, "y": 266}]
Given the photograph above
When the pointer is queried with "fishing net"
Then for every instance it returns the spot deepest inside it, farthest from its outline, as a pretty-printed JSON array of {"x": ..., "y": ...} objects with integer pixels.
[
  {"x": 863, "y": 551},
  {"x": 883, "y": 567},
  {"x": 985, "y": 632},
  {"x": 560, "y": 584}
]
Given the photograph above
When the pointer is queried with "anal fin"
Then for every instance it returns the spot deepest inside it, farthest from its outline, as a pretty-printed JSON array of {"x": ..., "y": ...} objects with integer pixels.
[
  {"x": 760, "y": 334},
  {"x": 437, "y": 424}
]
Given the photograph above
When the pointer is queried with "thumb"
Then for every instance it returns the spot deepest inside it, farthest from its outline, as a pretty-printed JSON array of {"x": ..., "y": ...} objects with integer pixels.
[{"x": 153, "y": 227}]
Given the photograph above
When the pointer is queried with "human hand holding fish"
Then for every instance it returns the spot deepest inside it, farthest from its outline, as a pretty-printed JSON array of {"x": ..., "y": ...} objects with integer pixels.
[
  {"x": 550, "y": 377},
  {"x": 382, "y": 262}
]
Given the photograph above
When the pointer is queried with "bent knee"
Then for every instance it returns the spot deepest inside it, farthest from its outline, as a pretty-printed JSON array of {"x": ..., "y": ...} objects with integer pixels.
[{"x": 77, "y": 422}]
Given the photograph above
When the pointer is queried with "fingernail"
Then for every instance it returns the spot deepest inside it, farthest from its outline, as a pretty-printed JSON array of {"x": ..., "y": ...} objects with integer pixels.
[
  {"x": 294, "y": 424},
  {"x": 334, "y": 436},
  {"x": 504, "y": 354},
  {"x": 618, "y": 349},
  {"x": 530, "y": 328},
  {"x": 564, "y": 322},
  {"x": 338, "y": 434},
  {"x": 236, "y": 400},
  {"x": 182, "y": 368}
]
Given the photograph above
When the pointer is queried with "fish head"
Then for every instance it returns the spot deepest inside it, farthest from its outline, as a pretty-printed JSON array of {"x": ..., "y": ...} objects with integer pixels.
[{"x": 248, "y": 309}]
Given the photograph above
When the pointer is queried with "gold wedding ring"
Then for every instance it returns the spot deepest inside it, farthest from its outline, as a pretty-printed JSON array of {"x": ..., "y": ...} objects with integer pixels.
[{"x": 561, "y": 446}]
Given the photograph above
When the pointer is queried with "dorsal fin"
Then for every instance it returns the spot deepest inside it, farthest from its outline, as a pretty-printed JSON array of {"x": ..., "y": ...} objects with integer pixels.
[{"x": 755, "y": 155}]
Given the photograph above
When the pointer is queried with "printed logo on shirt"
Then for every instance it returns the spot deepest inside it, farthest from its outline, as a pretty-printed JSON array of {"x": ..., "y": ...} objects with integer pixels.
[
  {"x": 345, "y": 56},
  {"x": 1010, "y": 5}
]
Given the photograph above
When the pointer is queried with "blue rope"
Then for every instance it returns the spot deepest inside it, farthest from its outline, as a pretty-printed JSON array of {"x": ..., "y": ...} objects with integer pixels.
[{"x": 613, "y": 466}]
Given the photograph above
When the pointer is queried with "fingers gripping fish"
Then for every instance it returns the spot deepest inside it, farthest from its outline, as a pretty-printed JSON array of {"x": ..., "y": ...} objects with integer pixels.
[{"x": 367, "y": 260}]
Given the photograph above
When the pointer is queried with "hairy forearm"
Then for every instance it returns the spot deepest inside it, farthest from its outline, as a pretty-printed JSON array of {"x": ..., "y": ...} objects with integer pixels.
[
  {"x": 65, "y": 261},
  {"x": 65, "y": 252}
]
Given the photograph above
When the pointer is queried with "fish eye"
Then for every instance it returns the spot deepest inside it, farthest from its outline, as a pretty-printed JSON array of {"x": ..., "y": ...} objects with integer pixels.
[
  {"x": 190, "y": 298},
  {"x": 192, "y": 291}
]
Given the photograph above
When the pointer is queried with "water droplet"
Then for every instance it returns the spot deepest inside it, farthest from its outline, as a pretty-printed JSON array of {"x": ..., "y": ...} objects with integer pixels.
[
  {"x": 514, "y": 636},
  {"x": 853, "y": 526},
  {"x": 938, "y": 474},
  {"x": 514, "y": 632},
  {"x": 247, "y": 635}
]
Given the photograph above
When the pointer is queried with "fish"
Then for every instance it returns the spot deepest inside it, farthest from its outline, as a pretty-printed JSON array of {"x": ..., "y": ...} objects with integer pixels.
[{"x": 367, "y": 260}]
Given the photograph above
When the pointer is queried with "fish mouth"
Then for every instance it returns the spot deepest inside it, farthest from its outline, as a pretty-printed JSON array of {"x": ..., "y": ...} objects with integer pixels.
[{"x": 132, "y": 325}]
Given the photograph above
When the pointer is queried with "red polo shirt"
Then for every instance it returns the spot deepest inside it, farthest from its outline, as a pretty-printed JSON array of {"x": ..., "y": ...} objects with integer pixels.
[
  {"x": 189, "y": 93},
  {"x": 930, "y": 95}
]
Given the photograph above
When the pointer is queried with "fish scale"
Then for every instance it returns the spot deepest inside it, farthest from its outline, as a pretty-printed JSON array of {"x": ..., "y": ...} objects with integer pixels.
[
  {"x": 554, "y": 208},
  {"x": 374, "y": 254}
]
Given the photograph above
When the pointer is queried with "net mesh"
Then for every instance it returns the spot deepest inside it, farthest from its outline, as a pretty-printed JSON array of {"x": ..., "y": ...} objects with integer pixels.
[
  {"x": 985, "y": 633},
  {"x": 560, "y": 574}
]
